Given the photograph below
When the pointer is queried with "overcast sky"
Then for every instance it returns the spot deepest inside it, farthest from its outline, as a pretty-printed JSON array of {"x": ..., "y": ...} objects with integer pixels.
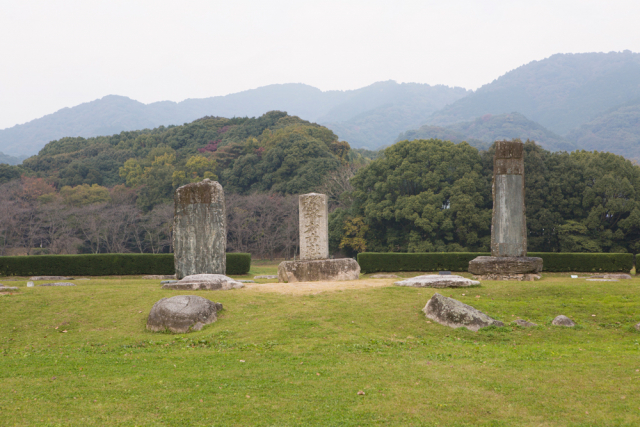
[{"x": 57, "y": 54}]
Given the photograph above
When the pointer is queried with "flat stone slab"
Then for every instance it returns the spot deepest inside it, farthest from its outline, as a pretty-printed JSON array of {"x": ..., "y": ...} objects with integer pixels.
[
  {"x": 563, "y": 320},
  {"x": 247, "y": 281},
  {"x": 601, "y": 280},
  {"x": 520, "y": 277},
  {"x": 182, "y": 313},
  {"x": 265, "y": 276},
  {"x": 58, "y": 284},
  {"x": 455, "y": 314},
  {"x": 438, "y": 281},
  {"x": 4, "y": 288},
  {"x": 37, "y": 278},
  {"x": 318, "y": 270},
  {"x": 385, "y": 276},
  {"x": 504, "y": 266},
  {"x": 204, "y": 282},
  {"x": 524, "y": 323},
  {"x": 159, "y": 276},
  {"x": 619, "y": 276}
]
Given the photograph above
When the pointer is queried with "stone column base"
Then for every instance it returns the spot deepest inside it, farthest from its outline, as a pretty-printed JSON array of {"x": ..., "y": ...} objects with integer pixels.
[
  {"x": 318, "y": 270},
  {"x": 505, "y": 268}
]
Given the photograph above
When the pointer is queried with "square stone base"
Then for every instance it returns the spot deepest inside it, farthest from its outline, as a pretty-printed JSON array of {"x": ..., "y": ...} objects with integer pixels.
[
  {"x": 505, "y": 268},
  {"x": 318, "y": 270}
]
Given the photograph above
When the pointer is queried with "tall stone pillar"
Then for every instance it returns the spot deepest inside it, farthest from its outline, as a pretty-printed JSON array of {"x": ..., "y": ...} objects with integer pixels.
[
  {"x": 199, "y": 229},
  {"x": 314, "y": 264},
  {"x": 508, "y": 260},
  {"x": 314, "y": 226}
]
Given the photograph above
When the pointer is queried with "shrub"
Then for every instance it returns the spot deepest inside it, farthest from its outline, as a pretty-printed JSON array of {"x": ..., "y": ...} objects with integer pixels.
[
  {"x": 371, "y": 262},
  {"x": 104, "y": 264}
]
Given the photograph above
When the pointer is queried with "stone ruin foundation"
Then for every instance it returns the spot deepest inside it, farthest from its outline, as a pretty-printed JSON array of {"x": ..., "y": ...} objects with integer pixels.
[
  {"x": 199, "y": 229},
  {"x": 314, "y": 264},
  {"x": 508, "y": 260}
]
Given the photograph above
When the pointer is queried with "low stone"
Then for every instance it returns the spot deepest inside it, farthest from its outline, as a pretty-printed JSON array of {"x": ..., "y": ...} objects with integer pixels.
[
  {"x": 247, "y": 281},
  {"x": 318, "y": 270},
  {"x": 4, "y": 288},
  {"x": 601, "y": 280},
  {"x": 167, "y": 281},
  {"x": 563, "y": 320},
  {"x": 438, "y": 281},
  {"x": 37, "y": 278},
  {"x": 455, "y": 314},
  {"x": 486, "y": 265},
  {"x": 58, "y": 284},
  {"x": 83, "y": 278},
  {"x": 182, "y": 313},
  {"x": 204, "y": 282},
  {"x": 265, "y": 277},
  {"x": 622, "y": 276},
  {"x": 637, "y": 326},
  {"x": 384, "y": 276},
  {"x": 524, "y": 323},
  {"x": 520, "y": 277},
  {"x": 159, "y": 276}
]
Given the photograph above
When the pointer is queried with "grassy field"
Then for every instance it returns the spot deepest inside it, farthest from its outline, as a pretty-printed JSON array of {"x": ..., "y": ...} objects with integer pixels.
[{"x": 81, "y": 356}]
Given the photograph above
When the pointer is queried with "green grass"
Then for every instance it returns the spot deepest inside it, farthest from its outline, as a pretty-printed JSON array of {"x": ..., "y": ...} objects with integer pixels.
[{"x": 107, "y": 370}]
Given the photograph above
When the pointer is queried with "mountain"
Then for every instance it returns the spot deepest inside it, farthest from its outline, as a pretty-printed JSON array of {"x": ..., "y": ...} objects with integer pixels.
[
  {"x": 489, "y": 128},
  {"x": 354, "y": 114},
  {"x": 561, "y": 92},
  {"x": 616, "y": 130},
  {"x": 11, "y": 160}
]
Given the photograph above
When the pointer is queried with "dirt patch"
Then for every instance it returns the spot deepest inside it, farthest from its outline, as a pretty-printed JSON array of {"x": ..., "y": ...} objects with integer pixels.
[{"x": 306, "y": 288}]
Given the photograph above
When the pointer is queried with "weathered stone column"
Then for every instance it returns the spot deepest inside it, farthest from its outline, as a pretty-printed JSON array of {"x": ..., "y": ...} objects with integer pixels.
[
  {"x": 509, "y": 224},
  {"x": 314, "y": 226},
  {"x": 508, "y": 260},
  {"x": 314, "y": 264},
  {"x": 199, "y": 229}
]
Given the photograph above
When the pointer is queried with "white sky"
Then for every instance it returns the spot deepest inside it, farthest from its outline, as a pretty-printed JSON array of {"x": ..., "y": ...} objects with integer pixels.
[{"x": 56, "y": 54}]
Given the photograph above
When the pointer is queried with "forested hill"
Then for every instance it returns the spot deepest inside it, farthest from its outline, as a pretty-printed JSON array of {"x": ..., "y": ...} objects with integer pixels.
[
  {"x": 368, "y": 117},
  {"x": 483, "y": 131},
  {"x": 273, "y": 153},
  {"x": 561, "y": 92}
]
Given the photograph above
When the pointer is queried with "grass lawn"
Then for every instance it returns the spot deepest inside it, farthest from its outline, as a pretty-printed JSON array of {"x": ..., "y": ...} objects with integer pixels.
[{"x": 81, "y": 356}]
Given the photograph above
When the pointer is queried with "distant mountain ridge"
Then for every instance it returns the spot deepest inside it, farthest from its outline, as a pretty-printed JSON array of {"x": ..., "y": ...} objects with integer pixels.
[{"x": 114, "y": 114}]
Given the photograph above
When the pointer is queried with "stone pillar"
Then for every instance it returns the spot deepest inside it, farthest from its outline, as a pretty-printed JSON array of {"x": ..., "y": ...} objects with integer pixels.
[
  {"x": 509, "y": 225},
  {"x": 508, "y": 260},
  {"x": 314, "y": 264},
  {"x": 314, "y": 226},
  {"x": 199, "y": 229}
]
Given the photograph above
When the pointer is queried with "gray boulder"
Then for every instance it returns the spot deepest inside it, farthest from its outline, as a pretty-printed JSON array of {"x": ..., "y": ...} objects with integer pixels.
[
  {"x": 36, "y": 278},
  {"x": 563, "y": 320},
  {"x": 525, "y": 324},
  {"x": 438, "y": 281},
  {"x": 204, "y": 282},
  {"x": 453, "y": 313},
  {"x": 182, "y": 313},
  {"x": 58, "y": 284}
]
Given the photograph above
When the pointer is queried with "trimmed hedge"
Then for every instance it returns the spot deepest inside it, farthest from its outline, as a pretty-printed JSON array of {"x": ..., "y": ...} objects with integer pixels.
[
  {"x": 104, "y": 264},
  {"x": 371, "y": 262}
]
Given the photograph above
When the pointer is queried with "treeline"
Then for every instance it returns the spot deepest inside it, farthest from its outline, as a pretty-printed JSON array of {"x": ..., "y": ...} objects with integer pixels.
[
  {"x": 435, "y": 196},
  {"x": 35, "y": 219}
]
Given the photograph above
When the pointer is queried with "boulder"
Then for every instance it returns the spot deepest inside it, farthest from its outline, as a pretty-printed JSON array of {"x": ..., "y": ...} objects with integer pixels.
[
  {"x": 318, "y": 270},
  {"x": 204, "y": 282},
  {"x": 36, "y": 278},
  {"x": 563, "y": 320},
  {"x": 58, "y": 284},
  {"x": 524, "y": 323},
  {"x": 182, "y": 313},
  {"x": 453, "y": 313},
  {"x": 385, "y": 276},
  {"x": 438, "y": 281},
  {"x": 266, "y": 277},
  {"x": 618, "y": 276}
]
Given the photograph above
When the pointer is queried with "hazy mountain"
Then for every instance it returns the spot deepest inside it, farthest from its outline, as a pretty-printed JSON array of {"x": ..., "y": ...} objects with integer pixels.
[
  {"x": 616, "y": 130},
  {"x": 489, "y": 128},
  {"x": 11, "y": 160},
  {"x": 561, "y": 92},
  {"x": 405, "y": 104}
]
